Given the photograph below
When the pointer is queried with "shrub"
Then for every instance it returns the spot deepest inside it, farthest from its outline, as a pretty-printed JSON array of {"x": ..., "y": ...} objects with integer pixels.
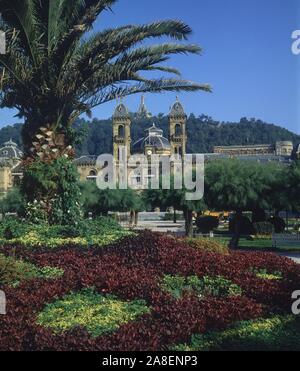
[
  {"x": 264, "y": 274},
  {"x": 134, "y": 269},
  {"x": 206, "y": 224},
  {"x": 101, "y": 231},
  {"x": 205, "y": 286},
  {"x": 264, "y": 228},
  {"x": 54, "y": 189},
  {"x": 208, "y": 244},
  {"x": 13, "y": 271},
  {"x": 11, "y": 227},
  {"x": 246, "y": 227},
  {"x": 278, "y": 223},
  {"x": 98, "y": 314}
]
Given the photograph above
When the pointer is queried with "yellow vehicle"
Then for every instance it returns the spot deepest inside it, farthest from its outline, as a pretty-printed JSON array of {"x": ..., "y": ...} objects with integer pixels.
[{"x": 218, "y": 214}]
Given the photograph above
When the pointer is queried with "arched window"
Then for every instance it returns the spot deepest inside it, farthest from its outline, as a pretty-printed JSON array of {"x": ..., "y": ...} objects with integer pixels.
[
  {"x": 121, "y": 131},
  {"x": 93, "y": 173},
  {"x": 178, "y": 130}
]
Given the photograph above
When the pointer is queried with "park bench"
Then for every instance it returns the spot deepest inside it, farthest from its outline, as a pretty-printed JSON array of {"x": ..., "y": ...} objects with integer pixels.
[{"x": 286, "y": 240}]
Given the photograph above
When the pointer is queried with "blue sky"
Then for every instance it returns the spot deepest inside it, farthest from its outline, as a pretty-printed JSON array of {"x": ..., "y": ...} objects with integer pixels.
[{"x": 247, "y": 58}]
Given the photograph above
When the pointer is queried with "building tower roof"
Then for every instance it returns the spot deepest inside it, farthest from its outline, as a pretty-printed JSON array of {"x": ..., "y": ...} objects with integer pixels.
[
  {"x": 10, "y": 150},
  {"x": 121, "y": 111},
  {"x": 177, "y": 109}
]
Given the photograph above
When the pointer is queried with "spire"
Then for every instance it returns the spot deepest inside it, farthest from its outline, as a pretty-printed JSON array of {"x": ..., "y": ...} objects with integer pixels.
[{"x": 143, "y": 111}]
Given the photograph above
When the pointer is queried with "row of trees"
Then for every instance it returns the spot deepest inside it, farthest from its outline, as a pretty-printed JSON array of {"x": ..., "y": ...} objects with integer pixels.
[
  {"x": 230, "y": 185},
  {"x": 203, "y": 133}
]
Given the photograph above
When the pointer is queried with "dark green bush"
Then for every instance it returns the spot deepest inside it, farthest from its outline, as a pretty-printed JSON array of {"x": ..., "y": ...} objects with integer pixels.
[
  {"x": 246, "y": 227},
  {"x": 206, "y": 224},
  {"x": 13, "y": 271},
  {"x": 278, "y": 223},
  {"x": 263, "y": 228},
  {"x": 11, "y": 227}
]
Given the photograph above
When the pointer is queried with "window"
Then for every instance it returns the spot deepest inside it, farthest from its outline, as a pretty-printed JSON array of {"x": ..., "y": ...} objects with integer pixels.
[
  {"x": 121, "y": 131},
  {"x": 178, "y": 130}
]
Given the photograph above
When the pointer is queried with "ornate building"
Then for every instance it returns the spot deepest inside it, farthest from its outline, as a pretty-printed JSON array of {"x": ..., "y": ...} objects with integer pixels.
[
  {"x": 153, "y": 142},
  {"x": 10, "y": 157},
  {"x": 177, "y": 124},
  {"x": 279, "y": 149}
]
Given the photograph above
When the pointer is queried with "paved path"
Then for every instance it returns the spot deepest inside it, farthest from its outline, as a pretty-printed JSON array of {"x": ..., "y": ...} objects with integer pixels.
[{"x": 294, "y": 256}]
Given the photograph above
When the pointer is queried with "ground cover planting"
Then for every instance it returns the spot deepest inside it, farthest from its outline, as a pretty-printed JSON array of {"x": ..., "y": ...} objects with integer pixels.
[{"x": 148, "y": 292}]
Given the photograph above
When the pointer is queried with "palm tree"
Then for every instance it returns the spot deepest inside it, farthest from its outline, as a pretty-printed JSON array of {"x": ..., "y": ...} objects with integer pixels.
[{"x": 54, "y": 69}]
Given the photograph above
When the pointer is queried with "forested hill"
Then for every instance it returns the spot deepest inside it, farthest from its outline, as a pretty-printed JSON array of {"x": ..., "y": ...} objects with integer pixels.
[{"x": 203, "y": 133}]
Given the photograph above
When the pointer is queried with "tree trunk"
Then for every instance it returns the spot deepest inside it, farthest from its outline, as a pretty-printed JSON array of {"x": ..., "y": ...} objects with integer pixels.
[
  {"x": 136, "y": 218},
  {"x": 175, "y": 217},
  {"x": 189, "y": 228},
  {"x": 131, "y": 221},
  {"x": 234, "y": 243}
]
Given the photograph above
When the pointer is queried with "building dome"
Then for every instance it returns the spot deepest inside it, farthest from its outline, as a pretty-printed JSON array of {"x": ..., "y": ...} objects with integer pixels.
[
  {"x": 10, "y": 150},
  {"x": 154, "y": 140}
]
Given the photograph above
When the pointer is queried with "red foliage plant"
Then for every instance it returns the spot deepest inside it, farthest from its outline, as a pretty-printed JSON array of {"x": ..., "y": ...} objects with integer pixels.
[{"x": 132, "y": 269}]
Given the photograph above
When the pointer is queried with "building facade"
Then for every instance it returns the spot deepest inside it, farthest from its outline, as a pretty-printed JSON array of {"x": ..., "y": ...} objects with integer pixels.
[
  {"x": 153, "y": 142},
  {"x": 10, "y": 158}
]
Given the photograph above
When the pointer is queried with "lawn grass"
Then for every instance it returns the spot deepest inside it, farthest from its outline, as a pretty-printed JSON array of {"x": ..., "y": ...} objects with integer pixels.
[{"x": 259, "y": 244}]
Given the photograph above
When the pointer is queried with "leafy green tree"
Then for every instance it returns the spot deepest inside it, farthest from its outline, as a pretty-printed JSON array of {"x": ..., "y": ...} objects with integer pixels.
[
  {"x": 233, "y": 185},
  {"x": 101, "y": 202},
  {"x": 290, "y": 188},
  {"x": 177, "y": 199},
  {"x": 54, "y": 190},
  {"x": 52, "y": 73}
]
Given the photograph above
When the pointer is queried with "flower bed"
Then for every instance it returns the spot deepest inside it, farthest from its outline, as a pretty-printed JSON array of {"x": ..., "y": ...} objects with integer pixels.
[
  {"x": 98, "y": 232},
  {"x": 131, "y": 273}
]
